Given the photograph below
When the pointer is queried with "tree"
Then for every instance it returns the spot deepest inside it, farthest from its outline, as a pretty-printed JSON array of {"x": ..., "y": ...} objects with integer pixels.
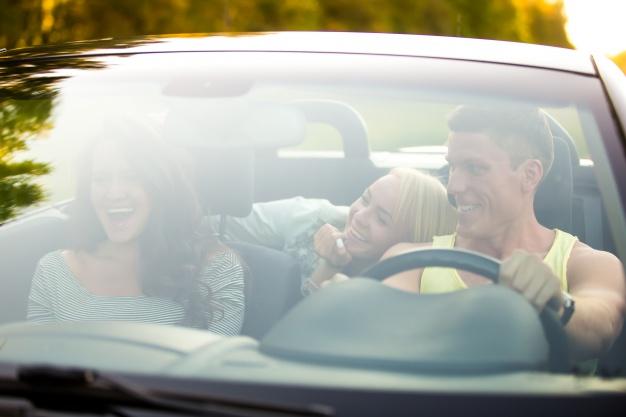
[
  {"x": 25, "y": 107},
  {"x": 31, "y": 22},
  {"x": 20, "y": 119},
  {"x": 26, "y": 102}
]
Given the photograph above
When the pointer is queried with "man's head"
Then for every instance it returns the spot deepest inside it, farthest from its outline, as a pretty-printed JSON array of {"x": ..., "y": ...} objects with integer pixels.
[{"x": 498, "y": 156}]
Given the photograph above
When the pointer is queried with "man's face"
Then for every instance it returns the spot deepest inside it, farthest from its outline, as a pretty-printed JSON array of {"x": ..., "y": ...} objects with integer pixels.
[{"x": 486, "y": 188}]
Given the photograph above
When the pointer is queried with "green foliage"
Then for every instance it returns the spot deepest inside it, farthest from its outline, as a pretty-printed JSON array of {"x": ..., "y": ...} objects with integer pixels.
[
  {"x": 31, "y": 22},
  {"x": 19, "y": 119},
  {"x": 16, "y": 190},
  {"x": 26, "y": 102}
]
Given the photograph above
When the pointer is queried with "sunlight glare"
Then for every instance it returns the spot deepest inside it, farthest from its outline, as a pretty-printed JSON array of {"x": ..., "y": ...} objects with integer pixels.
[{"x": 596, "y": 25}]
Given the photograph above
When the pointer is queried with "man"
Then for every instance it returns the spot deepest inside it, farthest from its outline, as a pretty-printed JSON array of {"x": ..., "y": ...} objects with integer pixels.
[{"x": 497, "y": 159}]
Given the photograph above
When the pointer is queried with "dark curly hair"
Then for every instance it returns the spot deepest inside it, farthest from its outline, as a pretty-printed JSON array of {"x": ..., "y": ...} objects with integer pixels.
[{"x": 178, "y": 240}]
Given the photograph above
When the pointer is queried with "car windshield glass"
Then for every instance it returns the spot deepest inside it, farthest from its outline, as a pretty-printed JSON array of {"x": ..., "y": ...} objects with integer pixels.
[{"x": 177, "y": 200}]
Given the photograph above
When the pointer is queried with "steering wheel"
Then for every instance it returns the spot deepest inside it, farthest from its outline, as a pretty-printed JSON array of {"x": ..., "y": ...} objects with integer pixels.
[{"x": 487, "y": 267}]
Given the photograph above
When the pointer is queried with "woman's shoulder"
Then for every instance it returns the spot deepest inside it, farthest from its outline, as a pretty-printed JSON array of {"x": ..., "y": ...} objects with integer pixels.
[
  {"x": 51, "y": 270},
  {"x": 224, "y": 262},
  {"x": 224, "y": 271},
  {"x": 224, "y": 255},
  {"x": 52, "y": 260}
]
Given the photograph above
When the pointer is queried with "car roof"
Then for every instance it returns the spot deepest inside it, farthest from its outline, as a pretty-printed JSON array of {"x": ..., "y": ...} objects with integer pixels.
[{"x": 326, "y": 42}]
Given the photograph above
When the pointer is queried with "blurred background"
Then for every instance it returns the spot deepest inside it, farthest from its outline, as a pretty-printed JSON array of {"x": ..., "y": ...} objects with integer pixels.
[{"x": 583, "y": 24}]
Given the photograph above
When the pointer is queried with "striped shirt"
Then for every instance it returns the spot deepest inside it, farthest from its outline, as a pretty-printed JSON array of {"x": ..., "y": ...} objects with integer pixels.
[{"x": 56, "y": 295}]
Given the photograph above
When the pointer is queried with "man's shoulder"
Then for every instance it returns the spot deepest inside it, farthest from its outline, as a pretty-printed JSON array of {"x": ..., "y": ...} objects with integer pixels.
[
  {"x": 581, "y": 252},
  {"x": 586, "y": 262}
]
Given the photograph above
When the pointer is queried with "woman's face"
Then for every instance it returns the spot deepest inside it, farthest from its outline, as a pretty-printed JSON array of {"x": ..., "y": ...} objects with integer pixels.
[
  {"x": 118, "y": 196},
  {"x": 371, "y": 229}
]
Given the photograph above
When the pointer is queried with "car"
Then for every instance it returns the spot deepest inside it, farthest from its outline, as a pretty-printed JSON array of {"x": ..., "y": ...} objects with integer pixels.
[{"x": 269, "y": 116}]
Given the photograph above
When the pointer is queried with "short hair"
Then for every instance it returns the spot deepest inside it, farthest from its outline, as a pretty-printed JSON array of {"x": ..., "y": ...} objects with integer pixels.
[
  {"x": 522, "y": 131},
  {"x": 423, "y": 206}
]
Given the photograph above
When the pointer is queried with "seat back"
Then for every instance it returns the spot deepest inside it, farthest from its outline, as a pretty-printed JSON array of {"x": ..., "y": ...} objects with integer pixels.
[
  {"x": 224, "y": 183},
  {"x": 272, "y": 286},
  {"x": 22, "y": 244}
]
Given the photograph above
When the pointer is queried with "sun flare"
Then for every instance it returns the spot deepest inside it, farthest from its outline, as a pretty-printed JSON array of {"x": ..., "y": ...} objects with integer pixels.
[{"x": 596, "y": 25}]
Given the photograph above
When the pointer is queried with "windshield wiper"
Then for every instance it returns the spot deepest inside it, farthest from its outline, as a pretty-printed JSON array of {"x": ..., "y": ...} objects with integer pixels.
[{"x": 78, "y": 389}]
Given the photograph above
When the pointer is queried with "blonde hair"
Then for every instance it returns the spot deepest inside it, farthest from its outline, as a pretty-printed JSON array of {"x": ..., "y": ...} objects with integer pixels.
[{"x": 422, "y": 206}]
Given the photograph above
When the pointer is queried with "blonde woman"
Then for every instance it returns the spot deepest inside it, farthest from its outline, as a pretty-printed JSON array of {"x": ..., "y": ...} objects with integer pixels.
[{"x": 402, "y": 206}]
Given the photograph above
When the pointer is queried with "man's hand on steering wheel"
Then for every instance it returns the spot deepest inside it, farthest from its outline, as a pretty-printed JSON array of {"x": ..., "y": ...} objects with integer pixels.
[
  {"x": 531, "y": 277},
  {"x": 522, "y": 272}
]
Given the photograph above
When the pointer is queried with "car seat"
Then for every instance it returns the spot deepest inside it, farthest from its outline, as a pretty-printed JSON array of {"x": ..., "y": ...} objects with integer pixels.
[
  {"x": 553, "y": 201},
  {"x": 272, "y": 287},
  {"x": 22, "y": 244},
  {"x": 224, "y": 181}
]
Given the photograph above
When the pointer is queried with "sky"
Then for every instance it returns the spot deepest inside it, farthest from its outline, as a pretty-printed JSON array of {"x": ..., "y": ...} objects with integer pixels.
[{"x": 597, "y": 25}]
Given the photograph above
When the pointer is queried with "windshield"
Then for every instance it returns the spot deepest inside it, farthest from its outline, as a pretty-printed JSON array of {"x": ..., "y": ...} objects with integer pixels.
[{"x": 180, "y": 200}]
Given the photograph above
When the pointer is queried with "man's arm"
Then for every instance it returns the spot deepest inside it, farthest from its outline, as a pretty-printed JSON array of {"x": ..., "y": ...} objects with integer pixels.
[
  {"x": 597, "y": 284},
  {"x": 595, "y": 281}
]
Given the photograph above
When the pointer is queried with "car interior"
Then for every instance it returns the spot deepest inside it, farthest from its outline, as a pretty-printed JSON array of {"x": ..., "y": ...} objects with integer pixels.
[{"x": 568, "y": 199}]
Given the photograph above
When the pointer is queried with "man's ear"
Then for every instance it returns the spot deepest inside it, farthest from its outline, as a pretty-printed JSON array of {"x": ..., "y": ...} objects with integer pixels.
[{"x": 532, "y": 173}]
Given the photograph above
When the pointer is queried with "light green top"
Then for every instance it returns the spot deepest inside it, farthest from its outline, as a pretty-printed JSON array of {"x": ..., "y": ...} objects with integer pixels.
[{"x": 438, "y": 280}]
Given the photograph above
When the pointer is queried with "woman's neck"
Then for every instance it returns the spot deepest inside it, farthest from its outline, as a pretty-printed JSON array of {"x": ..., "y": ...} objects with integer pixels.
[{"x": 127, "y": 253}]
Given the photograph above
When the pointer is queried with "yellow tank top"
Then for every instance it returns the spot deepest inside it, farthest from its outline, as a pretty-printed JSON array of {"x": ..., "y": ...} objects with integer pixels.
[{"x": 438, "y": 280}]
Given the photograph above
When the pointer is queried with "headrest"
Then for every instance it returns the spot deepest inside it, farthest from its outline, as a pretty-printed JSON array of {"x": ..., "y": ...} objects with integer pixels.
[
  {"x": 234, "y": 122},
  {"x": 343, "y": 117},
  {"x": 222, "y": 135},
  {"x": 225, "y": 179},
  {"x": 553, "y": 201},
  {"x": 558, "y": 131}
]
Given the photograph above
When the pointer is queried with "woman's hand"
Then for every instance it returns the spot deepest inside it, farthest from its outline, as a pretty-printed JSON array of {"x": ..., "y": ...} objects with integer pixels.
[
  {"x": 338, "y": 277},
  {"x": 330, "y": 247}
]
